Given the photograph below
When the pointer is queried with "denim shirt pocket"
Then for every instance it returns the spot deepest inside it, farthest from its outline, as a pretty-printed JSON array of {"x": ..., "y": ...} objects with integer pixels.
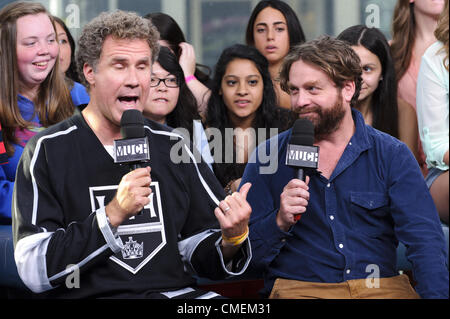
[{"x": 369, "y": 212}]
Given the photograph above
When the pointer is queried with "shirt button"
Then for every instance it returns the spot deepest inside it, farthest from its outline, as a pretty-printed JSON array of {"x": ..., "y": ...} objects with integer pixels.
[
  {"x": 341, "y": 246},
  {"x": 331, "y": 217},
  {"x": 328, "y": 185},
  {"x": 347, "y": 271},
  {"x": 350, "y": 143}
]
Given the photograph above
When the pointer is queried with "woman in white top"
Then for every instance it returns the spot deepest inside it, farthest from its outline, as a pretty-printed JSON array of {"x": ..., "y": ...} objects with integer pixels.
[{"x": 433, "y": 114}]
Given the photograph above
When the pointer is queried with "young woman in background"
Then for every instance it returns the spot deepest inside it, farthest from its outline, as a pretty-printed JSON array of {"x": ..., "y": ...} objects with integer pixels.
[
  {"x": 273, "y": 28},
  {"x": 413, "y": 25},
  {"x": 378, "y": 100},
  {"x": 242, "y": 99},
  {"x": 33, "y": 94}
]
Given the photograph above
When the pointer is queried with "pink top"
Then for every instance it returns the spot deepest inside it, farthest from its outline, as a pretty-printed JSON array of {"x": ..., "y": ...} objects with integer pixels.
[
  {"x": 407, "y": 91},
  {"x": 408, "y": 83}
]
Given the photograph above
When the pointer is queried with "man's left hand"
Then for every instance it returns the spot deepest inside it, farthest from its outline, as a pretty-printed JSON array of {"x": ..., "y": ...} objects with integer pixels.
[{"x": 234, "y": 212}]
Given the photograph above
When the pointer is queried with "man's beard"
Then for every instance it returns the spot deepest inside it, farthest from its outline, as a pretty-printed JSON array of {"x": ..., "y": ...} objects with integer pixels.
[{"x": 328, "y": 120}]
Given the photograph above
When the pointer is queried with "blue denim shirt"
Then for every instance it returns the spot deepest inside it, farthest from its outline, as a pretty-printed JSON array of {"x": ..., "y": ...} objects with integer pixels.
[{"x": 375, "y": 197}]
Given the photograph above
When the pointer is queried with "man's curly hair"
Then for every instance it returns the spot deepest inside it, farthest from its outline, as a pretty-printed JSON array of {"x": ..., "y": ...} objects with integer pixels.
[{"x": 118, "y": 24}]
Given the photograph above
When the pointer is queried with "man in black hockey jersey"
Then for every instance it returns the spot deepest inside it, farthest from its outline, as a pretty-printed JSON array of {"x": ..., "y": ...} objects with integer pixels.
[{"x": 75, "y": 211}]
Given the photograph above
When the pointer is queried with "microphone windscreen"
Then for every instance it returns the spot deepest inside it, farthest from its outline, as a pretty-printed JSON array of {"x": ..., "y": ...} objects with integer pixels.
[
  {"x": 132, "y": 124},
  {"x": 302, "y": 133}
]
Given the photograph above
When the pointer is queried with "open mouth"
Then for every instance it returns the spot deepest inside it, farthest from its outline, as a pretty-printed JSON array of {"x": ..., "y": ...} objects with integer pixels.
[
  {"x": 242, "y": 103},
  {"x": 128, "y": 100},
  {"x": 41, "y": 65}
]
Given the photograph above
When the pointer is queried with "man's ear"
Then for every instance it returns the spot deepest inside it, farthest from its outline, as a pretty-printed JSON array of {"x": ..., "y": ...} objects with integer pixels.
[
  {"x": 88, "y": 72},
  {"x": 348, "y": 90}
]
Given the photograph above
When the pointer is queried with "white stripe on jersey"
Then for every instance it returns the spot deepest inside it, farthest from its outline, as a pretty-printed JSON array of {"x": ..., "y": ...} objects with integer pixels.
[
  {"x": 70, "y": 269},
  {"x": 176, "y": 293},
  {"x": 205, "y": 185},
  {"x": 208, "y": 295},
  {"x": 33, "y": 162}
]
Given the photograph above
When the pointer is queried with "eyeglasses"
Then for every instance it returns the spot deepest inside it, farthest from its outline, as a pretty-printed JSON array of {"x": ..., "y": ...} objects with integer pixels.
[{"x": 168, "y": 82}]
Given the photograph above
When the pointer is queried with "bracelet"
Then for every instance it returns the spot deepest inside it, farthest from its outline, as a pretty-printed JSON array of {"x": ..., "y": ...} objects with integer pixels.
[
  {"x": 235, "y": 241},
  {"x": 190, "y": 78}
]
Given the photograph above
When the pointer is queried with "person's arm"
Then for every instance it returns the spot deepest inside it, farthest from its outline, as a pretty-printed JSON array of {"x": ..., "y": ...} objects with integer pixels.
[
  {"x": 201, "y": 243},
  {"x": 266, "y": 236},
  {"x": 417, "y": 224},
  {"x": 198, "y": 89},
  {"x": 433, "y": 111},
  {"x": 48, "y": 247},
  {"x": 407, "y": 127}
]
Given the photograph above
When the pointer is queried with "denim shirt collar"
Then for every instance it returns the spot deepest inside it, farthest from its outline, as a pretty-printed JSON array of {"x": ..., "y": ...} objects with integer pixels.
[{"x": 358, "y": 144}]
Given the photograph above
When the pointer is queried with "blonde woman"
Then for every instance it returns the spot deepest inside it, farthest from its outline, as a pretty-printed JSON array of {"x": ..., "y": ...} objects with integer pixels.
[{"x": 433, "y": 114}]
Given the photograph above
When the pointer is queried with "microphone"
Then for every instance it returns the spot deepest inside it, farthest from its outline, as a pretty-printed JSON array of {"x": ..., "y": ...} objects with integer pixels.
[
  {"x": 301, "y": 154},
  {"x": 133, "y": 148}
]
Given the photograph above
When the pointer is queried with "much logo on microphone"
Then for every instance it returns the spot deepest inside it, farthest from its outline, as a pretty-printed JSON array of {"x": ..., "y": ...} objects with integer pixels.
[
  {"x": 131, "y": 150},
  {"x": 302, "y": 156},
  {"x": 301, "y": 153}
]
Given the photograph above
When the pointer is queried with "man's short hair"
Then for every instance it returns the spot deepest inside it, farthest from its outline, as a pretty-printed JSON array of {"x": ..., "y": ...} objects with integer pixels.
[
  {"x": 334, "y": 57},
  {"x": 118, "y": 24}
]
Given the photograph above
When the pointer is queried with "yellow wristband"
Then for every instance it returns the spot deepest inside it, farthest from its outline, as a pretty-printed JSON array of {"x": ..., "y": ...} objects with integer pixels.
[{"x": 236, "y": 241}]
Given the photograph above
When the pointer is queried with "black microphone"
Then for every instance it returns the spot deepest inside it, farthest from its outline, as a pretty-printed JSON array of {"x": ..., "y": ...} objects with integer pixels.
[
  {"x": 133, "y": 148},
  {"x": 301, "y": 154}
]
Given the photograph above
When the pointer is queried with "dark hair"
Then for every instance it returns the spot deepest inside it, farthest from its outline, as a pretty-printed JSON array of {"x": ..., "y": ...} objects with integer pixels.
[
  {"x": 268, "y": 115},
  {"x": 186, "y": 111},
  {"x": 332, "y": 56},
  {"x": 295, "y": 31},
  {"x": 384, "y": 103},
  {"x": 170, "y": 31},
  {"x": 71, "y": 72}
]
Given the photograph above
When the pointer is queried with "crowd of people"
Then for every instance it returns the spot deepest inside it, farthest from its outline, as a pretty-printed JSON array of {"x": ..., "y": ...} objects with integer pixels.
[{"x": 380, "y": 111}]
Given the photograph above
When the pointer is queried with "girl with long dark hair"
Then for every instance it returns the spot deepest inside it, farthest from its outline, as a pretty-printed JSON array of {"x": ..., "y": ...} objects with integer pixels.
[
  {"x": 273, "y": 28},
  {"x": 378, "y": 100},
  {"x": 242, "y": 97}
]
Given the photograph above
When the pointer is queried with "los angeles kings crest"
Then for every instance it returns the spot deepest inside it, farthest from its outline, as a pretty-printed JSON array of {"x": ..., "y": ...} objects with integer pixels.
[{"x": 143, "y": 235}]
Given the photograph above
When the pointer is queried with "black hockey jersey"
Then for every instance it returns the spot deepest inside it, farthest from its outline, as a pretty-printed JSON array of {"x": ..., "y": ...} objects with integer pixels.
[{"x": 65, "y": 179}]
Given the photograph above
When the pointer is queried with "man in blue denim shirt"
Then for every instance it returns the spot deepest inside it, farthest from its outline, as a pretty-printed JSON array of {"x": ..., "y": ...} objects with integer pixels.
[{"x": 367, "y": 195}]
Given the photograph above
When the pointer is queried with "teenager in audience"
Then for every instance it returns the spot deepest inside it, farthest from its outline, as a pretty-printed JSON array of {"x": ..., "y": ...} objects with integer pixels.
[
  {"x": 413, "y": 25},
  {"x": 433, "y": 114},
  {"x": 33, "y": 94},
  {"x": 243, "y": 102},
  {"x": 67, "y": 63},
  {"x": 273, "y": 28},
  {"x": 378, "y": 100},
  {"x": 172, "y": 36},
  {"x": 170, "y": 102}
]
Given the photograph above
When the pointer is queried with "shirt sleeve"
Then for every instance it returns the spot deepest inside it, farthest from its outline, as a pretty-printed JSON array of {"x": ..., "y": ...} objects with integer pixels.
[
  {"x": 6, "y": 190},
  {"x": 266, "y": 237},
  {"x": 433, "y": 109},
  {"x": 48, "y": 247},
  {"x": 417, "y": 224}
]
